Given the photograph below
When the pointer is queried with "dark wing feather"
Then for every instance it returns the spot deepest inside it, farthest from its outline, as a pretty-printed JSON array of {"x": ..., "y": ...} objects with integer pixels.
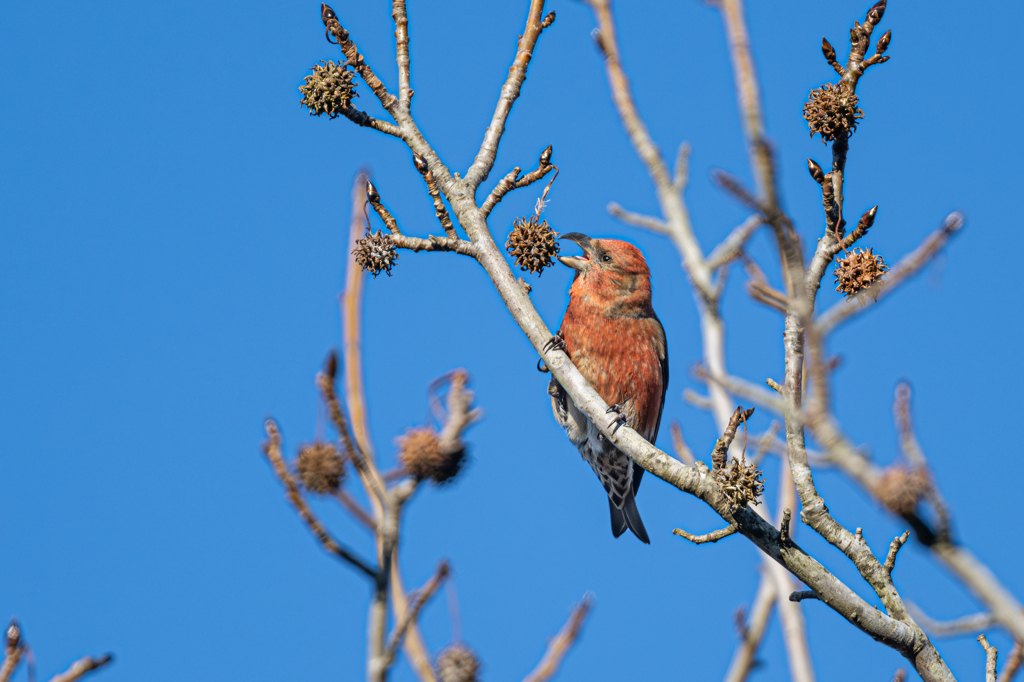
[{"x": 638, "y": 471}]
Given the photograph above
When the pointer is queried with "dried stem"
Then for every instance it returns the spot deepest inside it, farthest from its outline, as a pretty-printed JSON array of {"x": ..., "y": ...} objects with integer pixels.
[
  {"x": 745, "y": 656},
  {"x": 513, "y": 181},
  {"x": 561, "y": 644},
  {"x": 713, "y": 536},
  {"x": 420, "y": 598}
]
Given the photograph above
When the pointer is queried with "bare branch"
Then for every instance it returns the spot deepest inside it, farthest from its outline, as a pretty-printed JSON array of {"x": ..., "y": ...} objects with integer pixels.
[
  {"x": 804, "y": 594},
  {"x": 673, "y": 209},
  {"x": 361, "y": 118},
  {"x": 561, "y": 644},
  {"x": 905, "y": 426},
  {"x": 513, "y": 181},
  {"x": 419, "y": 599},
  {"x": 484, "y": 160},
  {"x": 431, "y": 243},
  {"x": 398, "y": 13},
  {"x": 906, "y": 268},
  {"x": 355, "y": 509},
  {"x": 648, "y": 222},
  {"x": 894, "y": 548},
  {"x": 439, "y": 209},
  {"x": 713, "y": 536},
  {"x": 679, "y": 443},
  {"x": 952, "y": 628},
  {"x": 272, "y": 448},
  {"x": 356, "y": 61},
  {"x": 744, "y": 658},
  {"x": 82, "y": 667},
  {"x": 990, "y": 659},
  {"x": 14, "y": 649},
  {"x": 732, "y": 246},
  {"x": 1013, "y": 662}
]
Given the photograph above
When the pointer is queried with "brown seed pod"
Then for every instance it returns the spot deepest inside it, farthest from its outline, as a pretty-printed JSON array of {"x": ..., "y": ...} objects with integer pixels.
[
  {"x": 457, "y": 663},
  {"x": 533, "y": 244},
  {"x": 321, "y": 468},
  {"x": 741, "y": 483},
  {"x": 376, "y": 253},
  {"x": 420, "y": 453},
  {"x": 328, "y": 90},
  {"x": 858, "y": 270},
  {"x": 901, "y": 487},
  {"x": 831, "y": 111}
]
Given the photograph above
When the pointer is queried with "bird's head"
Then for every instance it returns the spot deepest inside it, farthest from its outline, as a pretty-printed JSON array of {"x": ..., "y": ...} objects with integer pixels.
[{"x": 610, "y": 269}]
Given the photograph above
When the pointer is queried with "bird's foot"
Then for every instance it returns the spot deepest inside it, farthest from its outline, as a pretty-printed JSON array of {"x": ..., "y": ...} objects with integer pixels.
[
  {"x": 556, "y": 342},
  {"x": 541, "y": 367},
  {"x": 619, "y": 420}
]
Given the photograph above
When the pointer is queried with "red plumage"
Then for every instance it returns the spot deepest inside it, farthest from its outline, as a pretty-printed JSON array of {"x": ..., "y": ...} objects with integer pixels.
[{"x": 612, "y": 335}]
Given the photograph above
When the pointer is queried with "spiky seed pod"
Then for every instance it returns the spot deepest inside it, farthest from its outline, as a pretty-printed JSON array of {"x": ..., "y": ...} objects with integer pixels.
[
  {"x": 421, "y": 454},
  {"x": 741, "y": 483},
  {"x": 831, "y": 111},
  {"x": 328, "y": 90},
  {"x": 858, "y": 270},
  {"x": 900, "y": 488},
  {"x": 457, "y": 663},
  {"x": 376, "y": 253},
  {"x": 321, "y": 468},
  {"x": 533, "y": 244}
]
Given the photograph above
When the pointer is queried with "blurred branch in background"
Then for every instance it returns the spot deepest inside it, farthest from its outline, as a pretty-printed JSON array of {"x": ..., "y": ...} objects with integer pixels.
[{"x": 16, "y": 649}]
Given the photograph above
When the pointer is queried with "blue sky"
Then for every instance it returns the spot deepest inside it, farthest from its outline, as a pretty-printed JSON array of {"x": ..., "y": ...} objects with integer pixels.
[{"x": 173, "y": 226}]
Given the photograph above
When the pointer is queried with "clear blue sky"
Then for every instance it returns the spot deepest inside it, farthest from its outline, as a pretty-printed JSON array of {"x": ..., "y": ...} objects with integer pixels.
[{"x": 173, "y": 229}]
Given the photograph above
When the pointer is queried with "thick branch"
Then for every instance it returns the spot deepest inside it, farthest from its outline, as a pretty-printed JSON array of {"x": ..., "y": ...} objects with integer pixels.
[
  {"x": 561, "y": 644},
  {"x": 431, "y": 243},
  {"x": 398, "y": 13}
]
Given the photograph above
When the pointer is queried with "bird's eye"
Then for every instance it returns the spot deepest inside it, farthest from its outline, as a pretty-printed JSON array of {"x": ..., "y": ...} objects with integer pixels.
[{"x": 606, "y": 258}]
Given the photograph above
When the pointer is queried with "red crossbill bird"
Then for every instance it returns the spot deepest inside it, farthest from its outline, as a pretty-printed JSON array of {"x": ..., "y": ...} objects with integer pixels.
[{"x": 616, "y": 341}]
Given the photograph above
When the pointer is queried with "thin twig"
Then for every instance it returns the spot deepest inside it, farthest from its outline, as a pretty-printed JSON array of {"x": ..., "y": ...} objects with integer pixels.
[
  {"x": 81, "y": 667},
  {"x": 355, "y": 509},
  {"x": 713, "y": 536},
  {"x": 272, "y": 448},
  {"x": 906, "y": 268},
  {"x": 963, "y": 625},
  {"x": 484, "y": 160},
  {"x": 990, "y": 658},
  {"x": 419, "y": 599},
  {"x": 744, "y": 658},
  {"x": 560, "y": 645},
  {"x": 894, "y": 548},
  {"x": 648, "y": 222},
  {"x": 730, "y": 248},
  {"x": 679, "y": 443},
  {"x": 1013, "y": 662}
]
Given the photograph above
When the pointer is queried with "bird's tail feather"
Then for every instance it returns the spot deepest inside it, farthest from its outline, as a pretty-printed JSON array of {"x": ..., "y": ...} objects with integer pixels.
[{"x": 628, "y": 517}]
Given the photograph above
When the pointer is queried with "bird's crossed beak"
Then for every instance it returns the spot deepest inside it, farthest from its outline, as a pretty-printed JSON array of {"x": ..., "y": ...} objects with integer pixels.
[{"x": 586, "y": 243}]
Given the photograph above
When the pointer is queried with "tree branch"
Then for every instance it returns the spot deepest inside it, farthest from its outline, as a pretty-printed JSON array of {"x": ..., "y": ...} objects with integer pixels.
[
  {"x": 484, "y": 160},
  {"x": 990, "y": 659},
  {"x": 713, "y": 536},
  {"x": 513, "y": 181},
  {"x": 952, "y": 628},
  {"x": 561, "y": 644},
  {"x": 272, "y": 448},
  {"x": 82, "y": 667},
  {"x": 906, "y": 268}
]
